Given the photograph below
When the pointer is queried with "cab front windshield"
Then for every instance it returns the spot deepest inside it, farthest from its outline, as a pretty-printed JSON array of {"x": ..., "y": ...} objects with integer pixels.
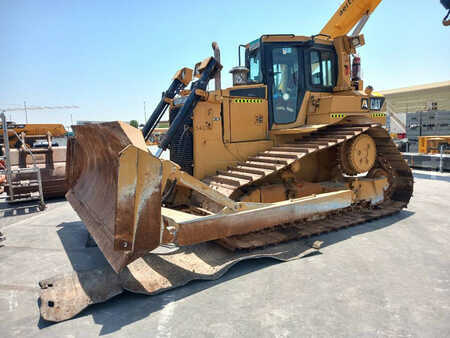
[{"x": 254, "y": 66}]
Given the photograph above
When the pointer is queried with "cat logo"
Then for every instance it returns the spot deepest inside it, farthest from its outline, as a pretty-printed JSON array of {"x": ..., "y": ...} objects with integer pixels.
[{"x": 365, "y": 104}]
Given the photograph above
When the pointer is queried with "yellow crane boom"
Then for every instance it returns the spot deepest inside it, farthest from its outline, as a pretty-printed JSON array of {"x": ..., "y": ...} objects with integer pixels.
[{"x": 349, "y": 13}]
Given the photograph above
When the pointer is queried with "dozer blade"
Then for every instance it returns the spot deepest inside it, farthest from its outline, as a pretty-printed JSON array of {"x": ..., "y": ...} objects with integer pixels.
[{"x": 114, "y": 184}]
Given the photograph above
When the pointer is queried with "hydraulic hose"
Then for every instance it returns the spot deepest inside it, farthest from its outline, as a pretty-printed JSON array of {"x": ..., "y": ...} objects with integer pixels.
[{"x": 157, "y": 114}]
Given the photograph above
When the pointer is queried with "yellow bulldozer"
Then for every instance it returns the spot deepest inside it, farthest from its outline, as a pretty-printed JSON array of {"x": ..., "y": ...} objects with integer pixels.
[
  {"x": 296, "y": 141},
  {"x": 293, "y": 149}
]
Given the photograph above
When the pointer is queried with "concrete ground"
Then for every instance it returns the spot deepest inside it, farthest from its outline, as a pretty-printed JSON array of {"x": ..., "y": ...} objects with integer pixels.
[{"x": 389, "y": 278}]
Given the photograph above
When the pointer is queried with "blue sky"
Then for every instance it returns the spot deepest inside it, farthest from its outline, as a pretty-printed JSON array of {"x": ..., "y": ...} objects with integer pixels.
[{"x": 108, "y": 57}]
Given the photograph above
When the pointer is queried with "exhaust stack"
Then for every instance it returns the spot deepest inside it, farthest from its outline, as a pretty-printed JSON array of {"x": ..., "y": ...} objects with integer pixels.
[{"x": 217, "y": 78}]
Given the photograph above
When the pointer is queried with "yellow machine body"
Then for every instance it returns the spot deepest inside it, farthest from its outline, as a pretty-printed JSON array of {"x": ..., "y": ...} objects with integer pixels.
[{"x": 226, "y": 137}]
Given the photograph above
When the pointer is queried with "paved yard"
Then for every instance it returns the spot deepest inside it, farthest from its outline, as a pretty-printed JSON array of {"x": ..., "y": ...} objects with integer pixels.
[{"x": 389, "y": 278}]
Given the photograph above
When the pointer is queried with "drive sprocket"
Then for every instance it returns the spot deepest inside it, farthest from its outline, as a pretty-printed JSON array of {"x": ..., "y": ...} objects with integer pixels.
[{"x": 358, "y": 155}]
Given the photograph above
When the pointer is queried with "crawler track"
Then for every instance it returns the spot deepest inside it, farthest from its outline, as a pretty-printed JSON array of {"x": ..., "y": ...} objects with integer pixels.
[{"x": 257, "y": 168}]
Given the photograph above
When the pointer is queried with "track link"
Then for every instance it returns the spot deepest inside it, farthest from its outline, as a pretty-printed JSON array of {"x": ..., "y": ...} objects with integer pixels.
[{"x": 304, "y": 229}]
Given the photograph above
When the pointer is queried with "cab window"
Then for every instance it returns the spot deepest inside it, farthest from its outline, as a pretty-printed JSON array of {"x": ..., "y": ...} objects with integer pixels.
[
  {"x": 315, "y": 68},
  {"x": 322, "y": 70},
  {"x": 254, "y": 59}
]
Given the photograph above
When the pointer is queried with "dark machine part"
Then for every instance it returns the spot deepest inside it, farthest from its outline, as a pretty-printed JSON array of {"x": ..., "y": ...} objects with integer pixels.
[
  {"x": 446, "y": 4},
  {"x": 356, "y": 68},
  {"x": 182, "y": 146},
  {"x": 157, "y": 114},
  {"x": 185, "y": 112}
]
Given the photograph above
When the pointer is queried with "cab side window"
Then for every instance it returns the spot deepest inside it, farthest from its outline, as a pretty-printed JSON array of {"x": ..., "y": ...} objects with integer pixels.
[
  {"x": 322, "y": 69},
  {"x": 254, "y": 60},
  {"x": 315, "y": 68}
]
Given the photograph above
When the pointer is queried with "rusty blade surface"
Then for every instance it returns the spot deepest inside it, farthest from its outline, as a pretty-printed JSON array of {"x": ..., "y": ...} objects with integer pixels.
[
  {"x": 138, "y": 208},
  {"x": 114, "y": 186},
  {"x": 62, "y": 297}
]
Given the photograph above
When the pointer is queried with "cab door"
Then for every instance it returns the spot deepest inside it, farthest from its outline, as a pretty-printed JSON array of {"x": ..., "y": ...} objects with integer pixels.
[{"x": 285, "y": 82}]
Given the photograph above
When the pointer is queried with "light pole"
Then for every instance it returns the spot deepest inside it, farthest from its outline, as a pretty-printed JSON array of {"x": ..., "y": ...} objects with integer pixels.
[
  {"x": 26, "y": 113},
  {"x": 145, "y": 114}
]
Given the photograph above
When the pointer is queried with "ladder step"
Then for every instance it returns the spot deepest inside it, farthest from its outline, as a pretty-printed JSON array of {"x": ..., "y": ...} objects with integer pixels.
[
  {"x": 23, "y": 185},
  {"x": 26, "y": 181},
  {"x": 40, "y": 150},
  {"x": 18, "y": 200},
  {"x": 24, "y": 170}
]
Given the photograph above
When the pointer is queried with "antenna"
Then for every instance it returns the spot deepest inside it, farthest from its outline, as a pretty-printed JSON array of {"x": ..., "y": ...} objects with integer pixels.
[
  {"x": 145, "y": 114},
  {"x": 26, "y": 113}
]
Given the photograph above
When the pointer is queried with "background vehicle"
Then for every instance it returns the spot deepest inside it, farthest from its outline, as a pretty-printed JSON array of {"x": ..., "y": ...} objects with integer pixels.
[{"x": 28, "y": 144}]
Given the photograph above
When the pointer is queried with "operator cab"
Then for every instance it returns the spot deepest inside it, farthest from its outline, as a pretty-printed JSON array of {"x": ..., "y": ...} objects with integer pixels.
[{"x": 289, "y": 69}]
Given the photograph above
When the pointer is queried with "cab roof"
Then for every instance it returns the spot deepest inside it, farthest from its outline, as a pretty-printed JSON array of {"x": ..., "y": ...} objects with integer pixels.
[{"x": 292, "y": 38}]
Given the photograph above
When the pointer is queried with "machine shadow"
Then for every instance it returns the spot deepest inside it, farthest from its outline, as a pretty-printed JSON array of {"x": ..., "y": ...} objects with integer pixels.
[
  {"x": 128, "y": 307},
  {"x": 138, "y": 306},
  {"x": 75, "y": 239}
]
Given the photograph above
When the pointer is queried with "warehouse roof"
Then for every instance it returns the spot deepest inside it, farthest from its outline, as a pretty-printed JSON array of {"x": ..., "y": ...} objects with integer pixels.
[{"x": 416, "y": 88}]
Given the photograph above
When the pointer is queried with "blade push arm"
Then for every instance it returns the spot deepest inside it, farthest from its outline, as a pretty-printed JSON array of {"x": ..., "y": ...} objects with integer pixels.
[{"x": 348, "y": 15}]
